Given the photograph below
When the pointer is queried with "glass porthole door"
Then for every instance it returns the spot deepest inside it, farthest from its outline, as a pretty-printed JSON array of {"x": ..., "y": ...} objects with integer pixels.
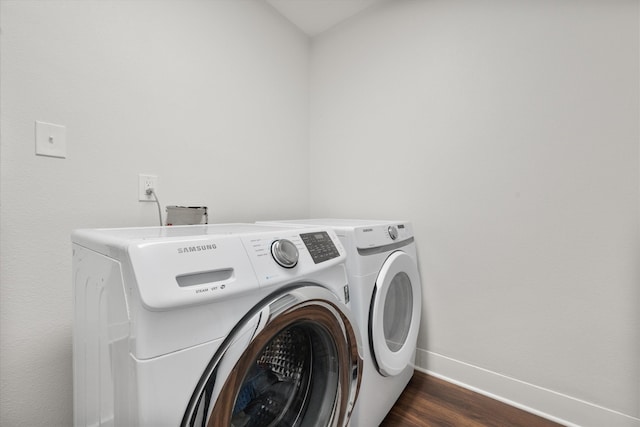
[
  {"x": 294, "y": 362},
  {"x": 395, "y": 314}
]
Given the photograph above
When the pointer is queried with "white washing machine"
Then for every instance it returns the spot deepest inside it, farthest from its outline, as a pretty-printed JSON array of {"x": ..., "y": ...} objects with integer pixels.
[
  {"x": 219, "y": 325},
  {"x": 386, "y": 296}
]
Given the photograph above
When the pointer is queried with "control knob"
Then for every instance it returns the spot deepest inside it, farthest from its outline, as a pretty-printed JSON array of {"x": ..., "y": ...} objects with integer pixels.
[
  {"x": 393, "y": 232},
  {"x": 285, "y": 253}
]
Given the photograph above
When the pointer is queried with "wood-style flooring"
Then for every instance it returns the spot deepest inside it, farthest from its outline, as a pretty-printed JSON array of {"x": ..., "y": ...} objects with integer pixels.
[{"x": 428, "y": 401}]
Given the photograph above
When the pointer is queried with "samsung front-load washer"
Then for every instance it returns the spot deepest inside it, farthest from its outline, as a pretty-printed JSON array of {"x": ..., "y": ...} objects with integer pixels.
[
  {"x": 386, "y": 297},
  {"x": 219, "y": 325}
]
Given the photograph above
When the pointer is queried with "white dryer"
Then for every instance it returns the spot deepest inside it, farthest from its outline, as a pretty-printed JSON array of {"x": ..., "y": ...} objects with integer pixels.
[
  {"x": 219, "y": 325},
  {"x": 386, "y": 296}
]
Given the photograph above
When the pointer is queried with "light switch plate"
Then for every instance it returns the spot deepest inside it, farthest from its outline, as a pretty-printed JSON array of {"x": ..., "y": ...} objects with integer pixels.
[{"x": 51, "y": 140}]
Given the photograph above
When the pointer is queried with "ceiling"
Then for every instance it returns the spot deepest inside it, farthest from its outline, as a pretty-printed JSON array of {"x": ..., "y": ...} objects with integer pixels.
[{"x": 315, "y": 16}]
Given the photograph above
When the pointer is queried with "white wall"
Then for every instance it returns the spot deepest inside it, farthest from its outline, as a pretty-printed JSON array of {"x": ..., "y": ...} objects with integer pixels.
[
  {"x": 208, "y": 95},
  {"x": 508, "y": 132}
]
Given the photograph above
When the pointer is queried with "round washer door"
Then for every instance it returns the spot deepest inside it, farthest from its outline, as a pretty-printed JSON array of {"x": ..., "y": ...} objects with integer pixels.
[
  {"x": 294, "y": 360},
  {"x": 395, "y": 314}
]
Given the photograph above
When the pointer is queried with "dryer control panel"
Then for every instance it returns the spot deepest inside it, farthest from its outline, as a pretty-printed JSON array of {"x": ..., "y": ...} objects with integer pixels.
[{"x": 371, "y": 236}]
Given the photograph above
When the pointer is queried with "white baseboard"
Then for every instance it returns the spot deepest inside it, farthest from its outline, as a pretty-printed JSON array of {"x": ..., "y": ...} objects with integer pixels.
[{"x": 546, "y": 403}]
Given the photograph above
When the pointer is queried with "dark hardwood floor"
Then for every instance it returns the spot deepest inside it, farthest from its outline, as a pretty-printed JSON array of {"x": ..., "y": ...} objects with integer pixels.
[{"x": 429, "y": 401}]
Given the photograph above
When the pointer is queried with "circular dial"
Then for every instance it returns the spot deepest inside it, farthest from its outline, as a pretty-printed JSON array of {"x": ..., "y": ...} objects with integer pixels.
[
  {"x": 285, "y": 253},
  {"x": 393, "y": 232}
]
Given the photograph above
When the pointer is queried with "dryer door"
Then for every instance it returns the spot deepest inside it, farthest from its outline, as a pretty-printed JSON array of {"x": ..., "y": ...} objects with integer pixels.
[
  {"x": 295, "y": 360},
  {"x": 395, "y": 314}
]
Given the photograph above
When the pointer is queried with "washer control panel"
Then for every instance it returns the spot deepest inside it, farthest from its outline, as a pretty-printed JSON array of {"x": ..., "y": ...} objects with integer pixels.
[
  {"x": 289, "y": 254},
  {"x": 181, "y": 266},
  {"x": 320, "y": 246}
]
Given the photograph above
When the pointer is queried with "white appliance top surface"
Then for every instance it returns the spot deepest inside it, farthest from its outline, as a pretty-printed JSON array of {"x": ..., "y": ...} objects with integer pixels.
[
  {"x": 336, "y": 222},
  {"x": 143, "y": 233}
]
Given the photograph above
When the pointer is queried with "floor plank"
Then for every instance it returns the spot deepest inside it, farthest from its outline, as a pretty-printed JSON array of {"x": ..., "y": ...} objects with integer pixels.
[{"x": 429, "y": 401}]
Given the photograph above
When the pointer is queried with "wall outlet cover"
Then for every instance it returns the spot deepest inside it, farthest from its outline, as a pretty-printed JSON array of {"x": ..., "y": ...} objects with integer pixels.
[{"x": 146, "y": 182}]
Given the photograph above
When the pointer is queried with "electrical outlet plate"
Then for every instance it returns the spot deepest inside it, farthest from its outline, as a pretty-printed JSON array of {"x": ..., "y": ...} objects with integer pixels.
[{"x": 144, "y": 183}]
